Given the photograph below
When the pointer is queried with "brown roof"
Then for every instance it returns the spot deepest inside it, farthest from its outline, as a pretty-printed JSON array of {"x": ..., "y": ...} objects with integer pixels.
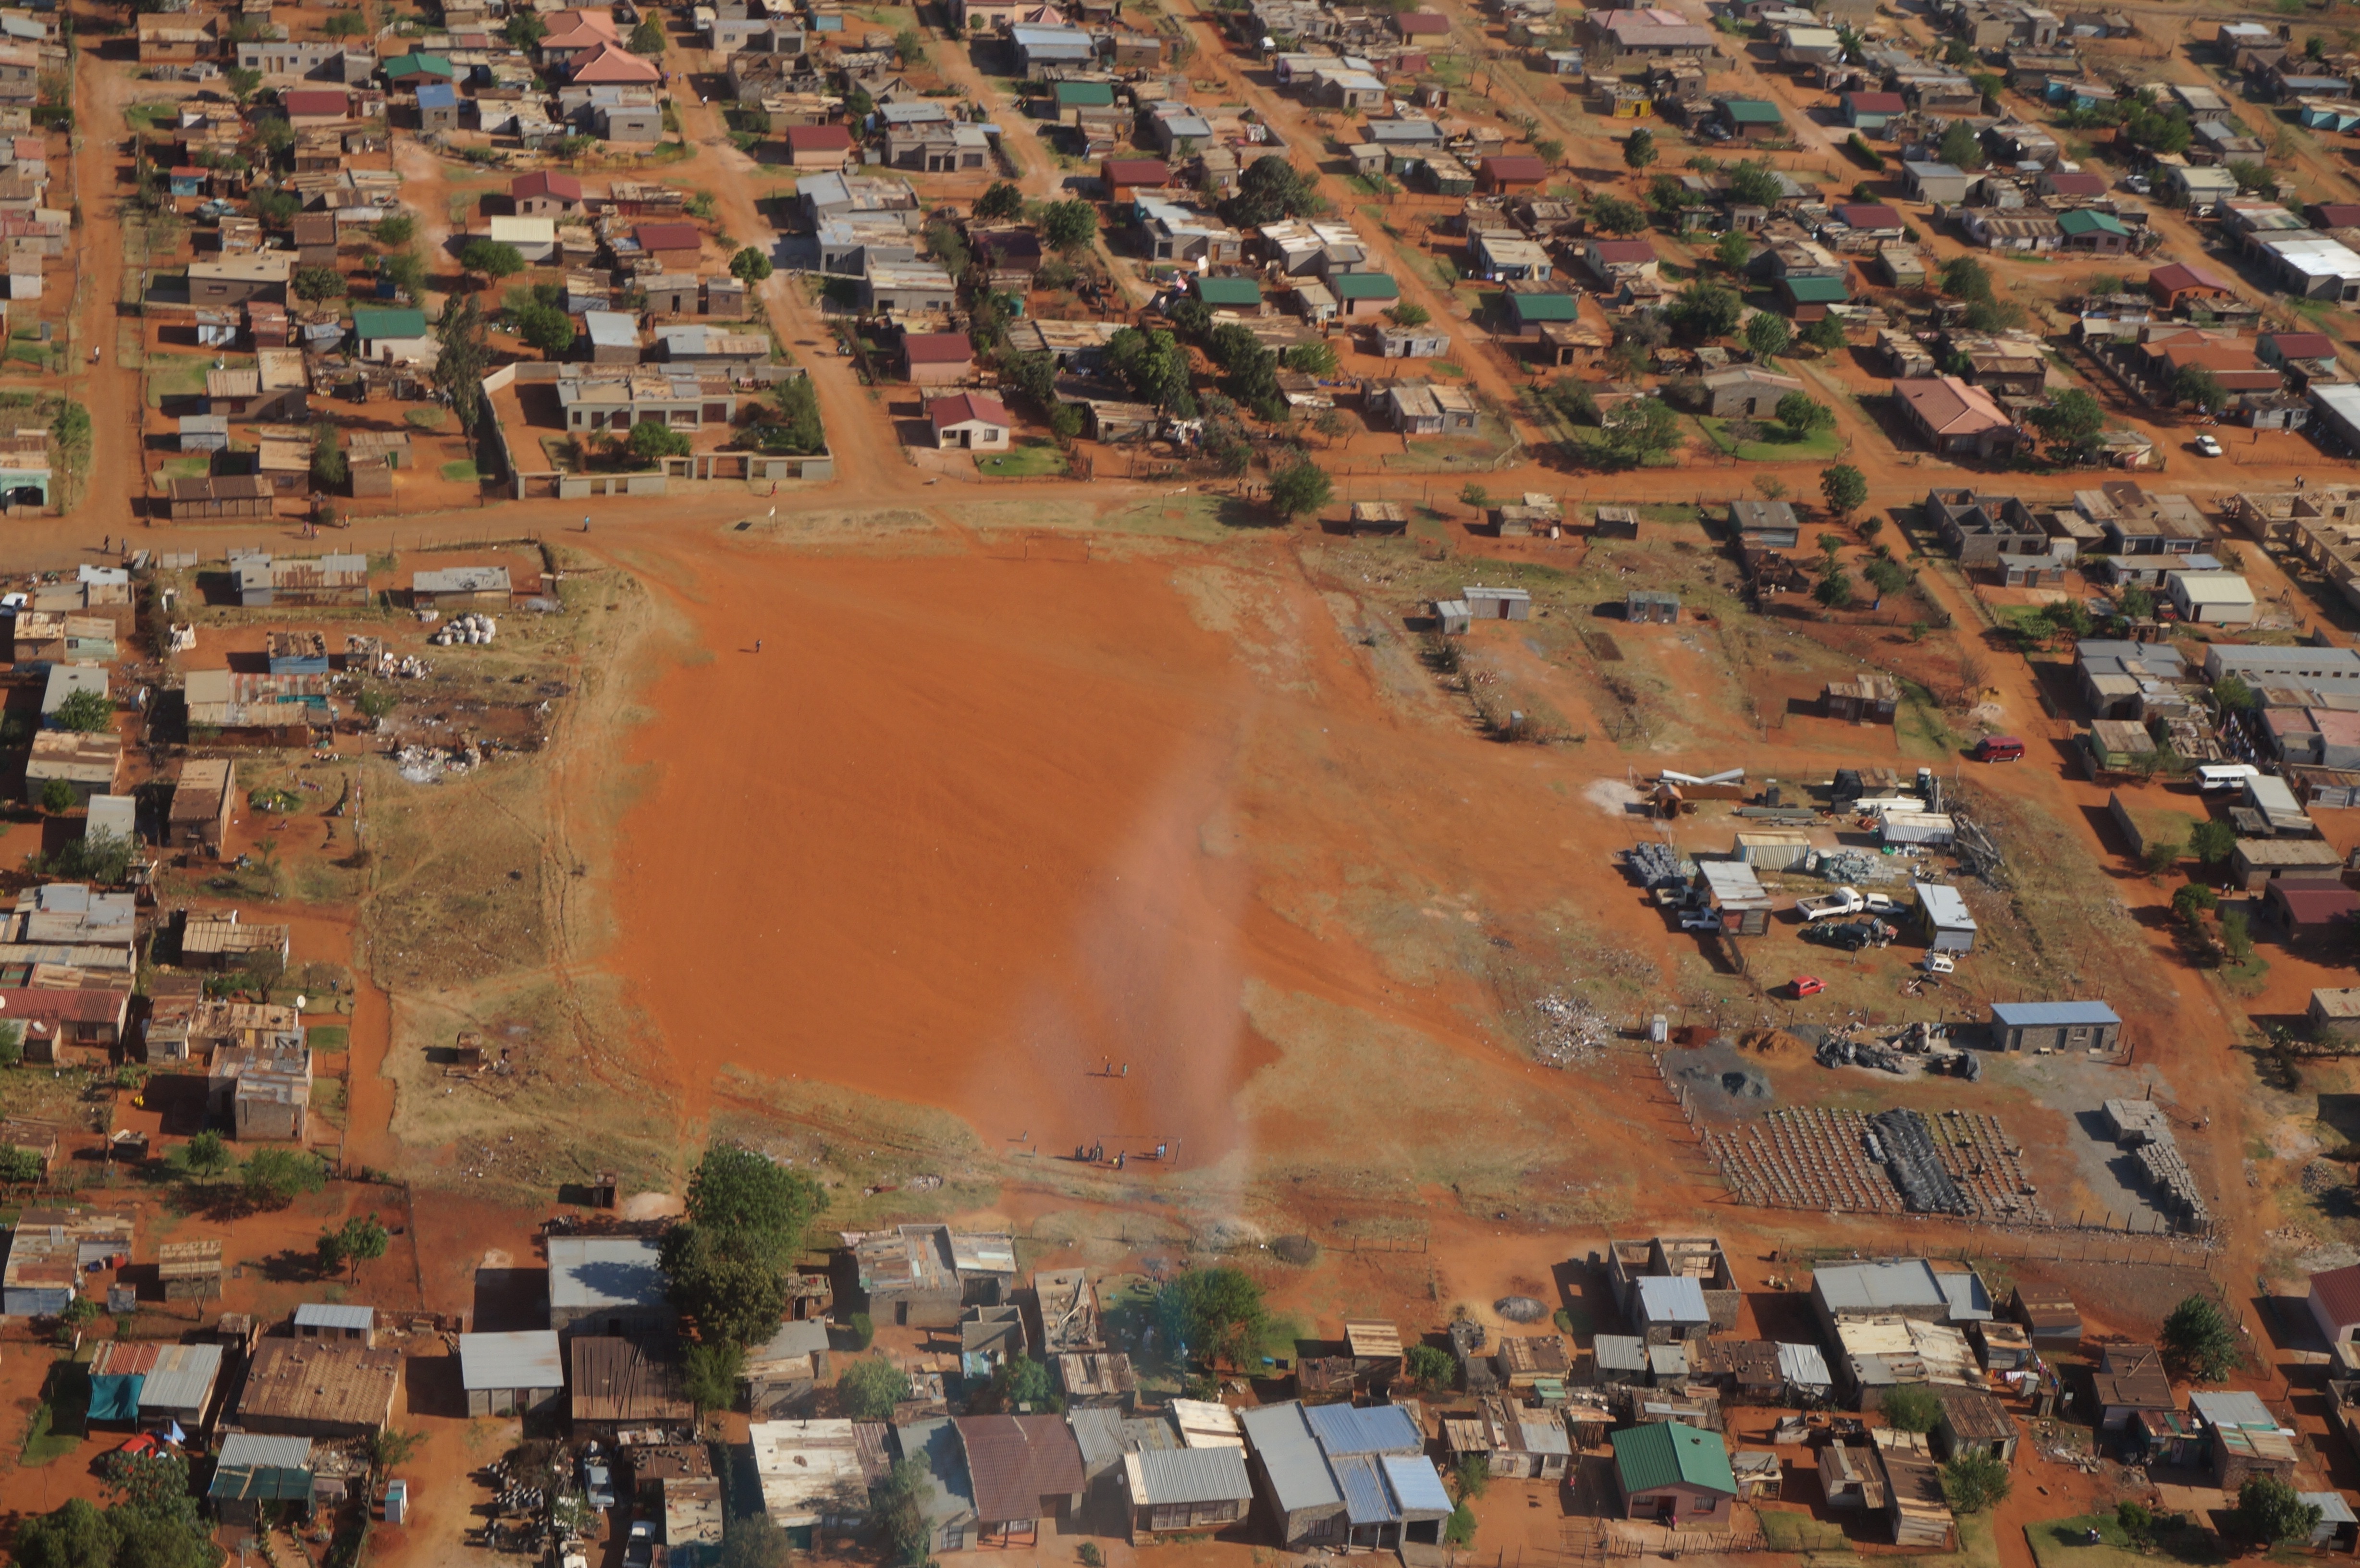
[
  {"x": 2313, "y": 901},
  {"x": 819, "y": 139},
  {"x": 1974, "y": 1416},
  {"x": 1136, "y": 172},
  {"x": 1514, "y": 166},
  {"x": 968, "y": 408},
  {"x": 2132, "y": 1375},
  {"x": 322, "y": 1382},
  {"x": 1950, "y": 406},
  {"x": 667, "y": 236},
  {"x": 2338, "y": 1293},
  {"x": 615, "y": 1380},
  {"x": 2173, "y": 277},
  {"x": 1015, "y": 1460},
  {"x": 937, "y": 348},
  {"x": 545, "y": 182},
  {"x": 1411, "y": 24}
]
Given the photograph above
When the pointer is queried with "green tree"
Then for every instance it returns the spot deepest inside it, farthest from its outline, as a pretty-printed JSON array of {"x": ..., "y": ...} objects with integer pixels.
[
  {"x": 2135, "y": 1520},
  {"x": 1301, "y": 486},
  {"x": 329, "y": 467},
  {"x": 352, "y": 1244},
  {"x": 1271, "y": 190},
  {"x": 274, "y": 1177},
  {"x": 1430, "y": 1367},
  {"x": 2198, "y": 1341},
  {"x": 1033, "y": 375},
  {"x": 2194, "y": 383},
  {"x": 1316, "y": 357},
  {"x": 1639, "y": 430},
  {"x": 1155, "y": 367},
  {"x": 648, "y": 37},
  {"x": 1707, "y": 309},
  {"x": 2212, "y": 840},
  {"x": 2231, "y": 695},
  {"x": 85, "y": 711},
  {"x": 1473, "y": 1475},
  {"x": 1459, "y": 1531},
  {"x": 1801, "y": 413},
  {"x": 1975, "y": 1481},
  {"x": 1964, "y": 278},
  {"x": 1734, "y": 251},
  {"x": 18, "y": 1167},
  {"x": 344, "y": 25},
  {"x": 1612, "y": 214},
  {"x": 1065, "y": 423},
  {"x": 71, "y": 428},
  {"x": 549, "y": 328},
  {"x": 1215, "y": 1315},
  {"x": 57, "y": 795},
  {"x": 317, "y": 283},
  {"x": 1885, "y": 575},
  {"x": 494, "y": 259},
  {"x": 407, "y": 268},
  {"x": 750, "y": 267},
  {"x": 870, "y": 1386},
  {"x": 1408, "y": 313},
  {"x": 395, "y": 230},
  {"x": 12, "y": 1044},
  {"x": 2160, "y": 855},
  {"x": 1018, "y": 1385},
  {"x": 2269, "y": 1512},
  {"x": 243, "y": 84},
  {"x": 1844, "y": 487},
  {"x": 897, "y": 1506},
  {"x": 2067, "y": 617},
  {"x": 1069, "y": 227},
  {"x": 1639, "y": 148},
  {"x": 1961, "y": 148},
  {"x": 459, "y": 368},
  {"x": 653, "y": 440},
  {"x": 525, "y": 29},
  {"x": 1834, "y": 588},
  {"x": 1911, "y": 1407},
  {"x": 1754, "y": 183},
  {"x": 1551, "y": 151},
  {"x": 2070, "y": 423},
  {"x": 1767, "y": 334},
  {"x": 2238, "y": 935},
  {"x": 2135, "y": 603},
  {"x": 2192, "y": 901},
  {"x": 909, "y": 48},
  {"x": 77, "y": 1535},
  {"x": 206, "y": 1155},
  {"x": 1004, "y": 198},
  {"x": 709, "y": 1375}
]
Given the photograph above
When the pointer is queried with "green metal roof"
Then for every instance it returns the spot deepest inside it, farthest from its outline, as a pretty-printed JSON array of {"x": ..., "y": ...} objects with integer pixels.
[
  {"x": 1363, "y": 285},
  {"x": 368, "y": 324},
  {"x": 1081, "y": 95},
  {"x": 1752, "y": 112},
  {"x": 2081, "y": 221},
  {"x": 1666, "y": 1453},
  {"x": 260, "y": 1483},
  {"x": 1545, "y": 307},
  {"x": 418, "y": 64},
  {"x": 1228, "y": 291},
  {"x": 1815, "y": 290}
]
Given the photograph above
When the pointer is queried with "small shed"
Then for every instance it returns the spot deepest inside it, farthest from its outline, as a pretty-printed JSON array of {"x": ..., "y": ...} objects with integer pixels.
[
  {"x": 2054, "y": 1025},
  {"x": 1673, "y": 1474},
  {"x": 1379, "y": 517},
  {"x": 1730, "y": 887},
  {"x": 1974, "y": 1423},
  {"x": 1618, "y": 522},
  {"x": 1652, "y": 607},
  {"x": 1619, "y": 1358},
  {"x": 1190, "y": 1489},
  {"x": 2338, "y": 1528},
  {"x": 519, "y": 1373},
  {"x": 189, "y": 1270},
  {"x": 2255, "y": 863},
  {"x": 1949, "y": 927},
  {"x": 1452, "y": 616},
  {"x": 2305, "y": 904},
  {"x": 1497, "y": 604},
  {"x": 1771, "y": 849}
]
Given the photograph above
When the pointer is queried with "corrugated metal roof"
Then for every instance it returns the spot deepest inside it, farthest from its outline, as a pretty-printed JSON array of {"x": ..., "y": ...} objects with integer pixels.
[
  {"x": 1621, "y": 1352},
  {"x": 182, "y": 1377},
  {"x": 1188, "y": 1476},
  {"x": 602, "y": 1271},
  {"x": 1943, "y": 905},
  {"x": 1299, "y": 1477},
  {"x": 1671, "y": 1299},
  {"x": 334, "y": 1314},
  {"x": 1879, "y": 1287},
  {"x": 1969, "y": 1302},
  {"x": 523, "y": 1358},
  {"x": 1367, "y": 1499},
  {"x": 2234, "y": 1408},
  {"x": 2035, "y": 1015},
  {"x": 1371, "y": 1429},
  {"x": 254, "y": 1448},
  {"x": 1204, "y": 1424},
  {"x": 1666, "y": 1453},
  {"x": 1416, "y": 1486},
  {"x": 1803, "y": 1365},
  {"x": 1016, "y": 1461}
]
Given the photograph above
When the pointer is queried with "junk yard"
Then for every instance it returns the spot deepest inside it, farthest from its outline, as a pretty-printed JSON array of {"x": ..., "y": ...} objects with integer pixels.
[{"x": 1212, "y": 782}]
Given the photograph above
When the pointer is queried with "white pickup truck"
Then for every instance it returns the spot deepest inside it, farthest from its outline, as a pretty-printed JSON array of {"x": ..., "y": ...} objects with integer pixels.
[{"x": 1843, "y": 901}]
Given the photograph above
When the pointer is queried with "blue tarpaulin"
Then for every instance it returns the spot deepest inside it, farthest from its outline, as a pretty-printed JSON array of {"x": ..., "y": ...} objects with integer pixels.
[{"x": 115, "y": 1397}]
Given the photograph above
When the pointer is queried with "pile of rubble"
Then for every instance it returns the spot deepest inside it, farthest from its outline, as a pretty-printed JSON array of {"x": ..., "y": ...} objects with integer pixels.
[
  {"x": 1853, "y": 865},
  {"x": 1655, "y": 864},
  {"x": 472, "y": 630},
  {"x": 1567, "y": 1029},
  {"x": 431, "y": 765}
]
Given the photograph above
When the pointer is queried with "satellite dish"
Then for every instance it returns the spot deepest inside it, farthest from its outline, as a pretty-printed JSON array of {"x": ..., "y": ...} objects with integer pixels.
[{"x": 299, "y": 1004}]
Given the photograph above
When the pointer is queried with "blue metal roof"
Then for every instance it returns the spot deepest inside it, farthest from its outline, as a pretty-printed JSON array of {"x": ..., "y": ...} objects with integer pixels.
[
  {"x": 1417, "y": 1487},
  {"x": 334, "y": 1314},
  {"x": 1969, "y": 1302},
  {"x": 1671, "y": 1299},
  {"x": 1281, "y": 1439},
  {"x": 1367, "y": 1499},
  {"x": 1371, "y": 1429},
  {"x": 437, "y": 95},
  {"x": 2020, "y": 1014}
]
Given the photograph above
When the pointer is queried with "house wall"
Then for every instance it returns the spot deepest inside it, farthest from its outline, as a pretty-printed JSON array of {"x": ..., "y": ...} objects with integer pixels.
[
  {"x": 512, "y": 1402},
  {"x": 1694, "y": 1506}
]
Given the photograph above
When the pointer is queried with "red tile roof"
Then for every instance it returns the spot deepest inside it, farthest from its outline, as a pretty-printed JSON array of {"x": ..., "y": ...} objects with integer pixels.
[
  {"x": 1411, "y": 24},
  {"x": 1015, "y": 1460},
  {"x": 667, "y": 236},
  {"x": 1870, "y": 215},
  {"x": 2179, "y": 274},
  {"x": 2337, "y": 1292},
  {"x": 1614, "y": 251},
  {"x": 2077, "y": 183},
  {"x": 310, "y": 101},
  {"x": 611, "y": 62},
  {"x": 937, "y": 348},
  {"x": 1875, "y": 103},
  {"x": 818, "y": 139},
  {"x": 2303, "y": 345},
  {"x": 545, "y": 182},
  {"x": 1136, "y": 172},
  {"x": 2314, "y": 900},
  {"x": 1950, "y": 406},
  {"x": 986, "y": 409}
]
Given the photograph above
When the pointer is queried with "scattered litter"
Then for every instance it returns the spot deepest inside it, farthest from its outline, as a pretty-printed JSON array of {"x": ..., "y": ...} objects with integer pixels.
[{"x": 1567, "y": 1029}]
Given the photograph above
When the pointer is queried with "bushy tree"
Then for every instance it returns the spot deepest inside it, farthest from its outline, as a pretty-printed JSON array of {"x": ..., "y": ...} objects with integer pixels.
[
  {"x": 2212, "y": 840},
  {"x": 317, "y": 283},
  {"x": 1639, "y": 430},
  {"x": 1409, "y": 313},
  {"x": 2192, "y": 901},
  {"x": 1964, "y": 278},
  {"x": 206, "y": 1155},
  {"x": 709, "y": 1375},
  {"x": 1911, "y": 1408},
  {"x": 1733, "y": 251},
  {"x": 870, "y": 1386},
  {"x": 651, "y": 440},
  {"x": 1018, "y": 1384},
  {"x": 2069, "y": 424},
  {"x": 329, "y": 467},
  {"x": 1767, "y": 334},
  {"x": 549, "y": 328},
  {"x": 2269, "y": 1512},
  {"x": 753, "y": 1541},
  {"x": 1215, "y": 1315},
  {"x": 1961, "y": 148},
  {"x": 357, "y": 1241},
  {"x": 1315, "y": 357},
  {"x": 1844, "y": 487},
  {"x": 1068, "y": 226},
  {"x": 1754, "y": 183},
  {"x": 648, "y": 37},
  {"x": 2194, "y": 383},
  {"x": 1430, "y": 1367},
  {"x": 2198, "y": 1341},
  {"x": 273, "y": 1178},
  {"x": 1802, "y": 413},
  {"x": 85, "y": 711},
  {"x": 746, "y": 1214},
  {"x": 1707, "y": 309},
  {"x": 459, "y": 366},
  {"x": 1639, "y": 148},
  {"x": 1154, "y": 367},
  {"x": 897, "y": 1506},
  {"x": 749, "y": 266},
  {"x": 1612, "y": 214},
  {"x": 1003, "y": 199},
  {"x": 1271, "y": 190},
  {"x": 1299, "y": 487},
  {"x": 1975, "y": 1481},
  {"x": 494, "y": 259}
]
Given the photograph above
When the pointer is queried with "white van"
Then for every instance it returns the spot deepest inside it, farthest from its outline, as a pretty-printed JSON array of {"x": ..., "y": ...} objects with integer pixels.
[{"x": 2219, "y": 778}]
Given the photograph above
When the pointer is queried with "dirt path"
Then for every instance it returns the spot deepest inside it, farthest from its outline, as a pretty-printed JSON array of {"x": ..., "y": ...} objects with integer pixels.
[{"x": 106, "y": 387}]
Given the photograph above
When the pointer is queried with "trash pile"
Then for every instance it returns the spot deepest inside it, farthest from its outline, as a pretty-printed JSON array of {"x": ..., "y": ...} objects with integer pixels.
[
  {"x": 1901, "y": 1142},
  {"x": 431, "y": 765},
  {"x": 1854, "y": 866},
  {"x": 472, "y": 630},
  {"x": 1520, "y": 1309},
  {"x": 1655, "y": 864},
  {"x": 1843, "y": 1051},
  {"x": 1867, "y": 1045},
  {"x": 1566, "y": 1029}
]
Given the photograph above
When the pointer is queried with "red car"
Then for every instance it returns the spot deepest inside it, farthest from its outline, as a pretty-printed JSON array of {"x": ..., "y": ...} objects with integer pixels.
[{"x": 1808, "y": 986}]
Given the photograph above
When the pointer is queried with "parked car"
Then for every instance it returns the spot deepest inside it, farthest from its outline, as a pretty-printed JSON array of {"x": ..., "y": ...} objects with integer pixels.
[
  {"x": 2207, "y": 447},
  {"x": 1940, "y": 963},
  {"x": 1806, "y": 985},
  {"x": 1827, "y": 906},
  {"x": 1700, "y": 920},
  {"x": 1998, "y": 748},
  {"x": 597, "y": 1483}
]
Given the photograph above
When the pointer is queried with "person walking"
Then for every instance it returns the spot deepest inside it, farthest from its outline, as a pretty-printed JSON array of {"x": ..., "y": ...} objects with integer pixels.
[
  {"x": 758, "y": 645},
  {"x": 585, "y": 522}
]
